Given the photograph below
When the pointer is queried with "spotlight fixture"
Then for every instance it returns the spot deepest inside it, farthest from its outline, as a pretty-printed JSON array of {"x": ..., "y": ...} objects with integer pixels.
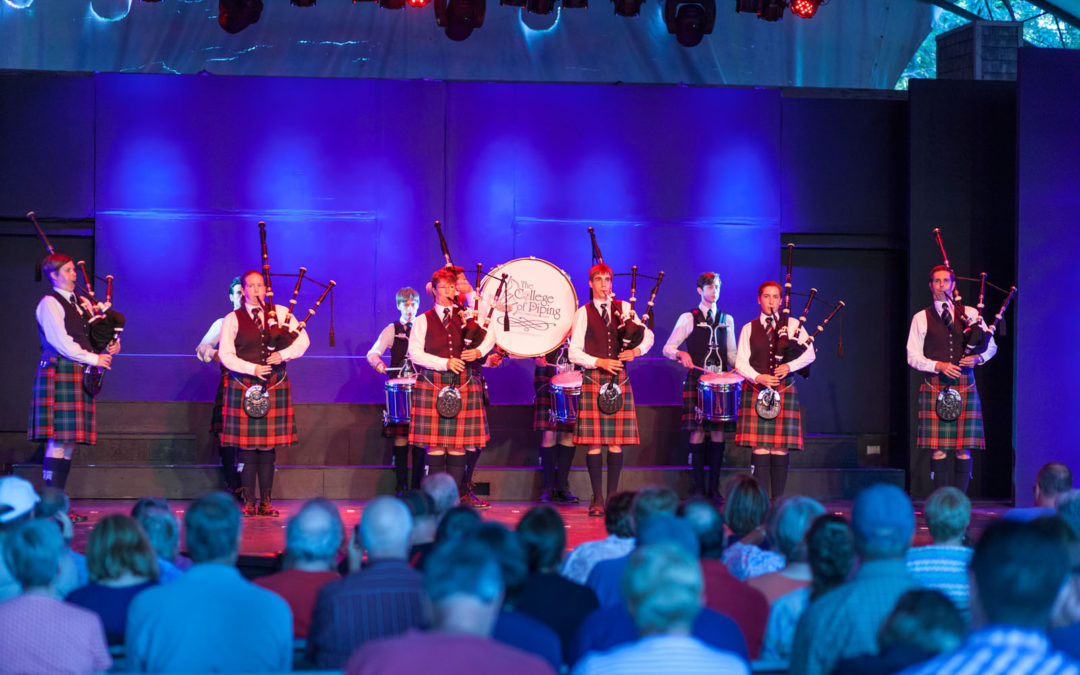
[
  {"x": 302, "y": 3},
  {"x": 769, "y": 10},
  {"x": 805, "y": 9},
  {"x": 391, "y": 4},
  {"x": 417, "y": 3},
  {"x": 540, "y": 6},
  {"x": 236, "y": 15},
  {"x": 627, "y": 7},
  {"x": 575, "y": 4},
  {"x": 459, "y": 17},
  {"x": 689, "y": 20}
]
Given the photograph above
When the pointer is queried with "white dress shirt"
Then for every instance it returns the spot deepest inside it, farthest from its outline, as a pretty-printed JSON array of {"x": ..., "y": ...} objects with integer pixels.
[
  {"x": 50, "y": 316},
  {"x": 207, "y": 349},
  {"x": 685, "y": 326},
  {"x": 227, "y": 346},
  {"x": 418, "y": 337},
  {"x": 742, "y": 358},
  {"x": 581, "y": 325},
  {"x": 385, "y": 341},
  {"x": 917, "y": 338}
]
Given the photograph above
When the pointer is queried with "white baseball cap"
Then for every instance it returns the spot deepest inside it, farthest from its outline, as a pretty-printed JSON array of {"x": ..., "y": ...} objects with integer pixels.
[{"x": 17, "y": 498}]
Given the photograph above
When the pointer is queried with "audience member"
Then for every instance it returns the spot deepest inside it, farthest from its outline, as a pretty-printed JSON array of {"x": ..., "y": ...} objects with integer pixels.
[
  {"x": 17, "y": 502},
  {"x": 845, "y": 621},
  {"x": 443, "y": 491},
  {"x": 163, "y": 530},
  {"x": 1052, "y": 481},
  {"x": 943, "y": 564},
  {"x": 456, "y": 522},
  {"x": 619, "y": 523},
  {"x": 121, "y": 564},
  {"x": 704, "y": 516},
  {"x": 1017, "y": 571},
  {"x": 663, "y": 588},
  {"x": 383, "y": 599},
  {"x": 313, "y": 538},
  {"x": 1068, "y": 509},
  {"x": 40, "y": 633},
  {"x": 56, "y": 506},
  {"x": 606, "y": 575},
  {"x": 464, "y": 590},
  {"x": 923, "y": 624},
  {"x": 744, "y": 513},
  {"x": 424, "y": 525},
  {"x": 830, "y": 551},
  {"x": 787, "y": 531},
  {"x": 211, "y": 618},
  {"x": 558, "y": 602}
]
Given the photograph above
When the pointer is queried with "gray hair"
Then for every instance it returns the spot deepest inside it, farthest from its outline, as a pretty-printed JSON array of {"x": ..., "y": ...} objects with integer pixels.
[
  {"x": 212, "y": 525},
  {"x": 385, "y": 527},
  {"x": 32, "y": 552},
  {"x": 789, "y": 523},
  {"x": 315, "y": 532},
  {"x": 160, "y": 525},
  {"x": 948, "y": 513},
  {"x": 663, "y": 588},
  {"x": 443, "y": 490}
]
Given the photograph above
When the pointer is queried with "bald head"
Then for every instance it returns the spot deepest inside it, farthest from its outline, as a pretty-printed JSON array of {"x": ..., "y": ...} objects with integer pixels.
[
  {"x": 386, "y": 527},
  {"x": 313, "y": 536}
]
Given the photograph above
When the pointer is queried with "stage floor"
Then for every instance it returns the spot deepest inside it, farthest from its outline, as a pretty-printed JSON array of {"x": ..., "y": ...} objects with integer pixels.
[{"x": 266, "y": 536}]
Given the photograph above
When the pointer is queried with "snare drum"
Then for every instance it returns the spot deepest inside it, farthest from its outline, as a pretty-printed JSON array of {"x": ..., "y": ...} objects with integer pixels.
[
  {"x": 565, "y": 394},
  {"x": 718, "y": 396},
  {"x": 399, "y": 400}
]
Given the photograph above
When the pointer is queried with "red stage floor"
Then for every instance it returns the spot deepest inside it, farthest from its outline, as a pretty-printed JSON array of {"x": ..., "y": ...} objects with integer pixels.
[{"x": 266, "y": 536}]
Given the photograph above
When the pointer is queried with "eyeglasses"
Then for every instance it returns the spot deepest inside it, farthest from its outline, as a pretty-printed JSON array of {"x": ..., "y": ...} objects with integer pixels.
[{"x": 445, "y": 287}]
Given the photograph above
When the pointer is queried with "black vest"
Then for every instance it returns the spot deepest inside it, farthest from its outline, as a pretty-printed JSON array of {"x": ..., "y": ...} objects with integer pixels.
[
  {"x": 697, "y": 343},
  {"x": 399, "y": 348},
  {"x": 602, "y": 341},
  {"x": 76, "y": 324},
  {"x": 249, "y": 339},
  {"x": 941, "y": 343}
]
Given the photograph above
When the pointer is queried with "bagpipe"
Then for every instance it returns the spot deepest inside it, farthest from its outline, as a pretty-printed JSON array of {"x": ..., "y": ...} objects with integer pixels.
[
  {"x": 786, "y": 346},
  {"x": 105, "y": 323}
]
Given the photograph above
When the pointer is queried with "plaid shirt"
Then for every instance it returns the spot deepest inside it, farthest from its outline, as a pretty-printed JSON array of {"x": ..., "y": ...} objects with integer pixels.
[{"x": 1001, "y": 649}]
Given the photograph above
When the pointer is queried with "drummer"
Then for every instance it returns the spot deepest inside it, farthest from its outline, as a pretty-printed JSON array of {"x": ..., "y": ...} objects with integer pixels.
[
  {"x": 770, "y": 439},
  {"x": 594, "y": 345},
  {"x": 395, "y": 337},
  {"x": 556, "y": 438},
  {"x": 709, "y": 335},
  {"x": 436, "y": 348}
]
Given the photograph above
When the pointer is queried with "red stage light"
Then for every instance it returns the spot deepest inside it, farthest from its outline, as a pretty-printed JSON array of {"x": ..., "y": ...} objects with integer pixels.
[
  {"x": 805, "y": 9},
  {"x": 417, "y": 3}
]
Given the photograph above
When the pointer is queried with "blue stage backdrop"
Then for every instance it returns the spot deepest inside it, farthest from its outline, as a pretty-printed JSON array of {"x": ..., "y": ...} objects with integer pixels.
[
  {"x": 349, "y": 176},
  {"x": 1047, "y": 243}
]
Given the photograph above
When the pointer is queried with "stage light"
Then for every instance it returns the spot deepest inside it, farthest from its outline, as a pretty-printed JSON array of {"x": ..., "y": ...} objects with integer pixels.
[
  {"x": 769, "y": 10},
  {"x": 459, "y": 17},
  {"x": 627, "y": 7},
  {"x": 19, "y": 4},
  {"x": 540, "y": 6},
  {"x": 417, "y": 3},
  {"x": 391, "y": 4},
  {"x": 805, "y": 9},
  {"x": 302, "y": 3},
  {"x": 575, "y": 4},
  {"x": 689, "y": 20},
  {"x": 236, "y": 15}
]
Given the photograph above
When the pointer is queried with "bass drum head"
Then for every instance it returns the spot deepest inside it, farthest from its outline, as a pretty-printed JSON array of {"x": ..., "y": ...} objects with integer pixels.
[{"x": 542, "y": 302}]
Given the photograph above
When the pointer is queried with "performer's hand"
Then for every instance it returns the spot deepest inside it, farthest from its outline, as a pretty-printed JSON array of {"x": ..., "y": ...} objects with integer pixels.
[
  {"x": 782, "y": 371},
  {"x": 381, "y": 368},
  {"x": 612, "y": 366},
  {"x": 629, "y": 354},
  {"x": 684, "y": 359},
  {"x": 262, "y": 371},
  {"x": 114, "y": 347},
  {"x": 470, "y": 354},
  {"x": 456, "y": 366},
  {"x": 969, "y": 361},
  {"x": 494, "y": 361},
  {"x": 104, "y": 361},
  {"x": 948, "y": 369},
  {"x": 87, "y": 305},
  {"x": 770, "y": 381},
  {"x": 274, "y": 359}
]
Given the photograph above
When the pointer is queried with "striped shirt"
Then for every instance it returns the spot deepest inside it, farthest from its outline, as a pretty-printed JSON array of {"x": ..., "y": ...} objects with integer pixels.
[
  {"x": 681, "y": 654},
  {"x": 1001, "y": 649},
  {"x": 944, "y": 568}
]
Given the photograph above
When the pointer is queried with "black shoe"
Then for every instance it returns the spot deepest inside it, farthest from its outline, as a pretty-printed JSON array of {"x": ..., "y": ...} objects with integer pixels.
[
  {"x": 77, "y": 517},
  {"x": 567, "y": 497},
  {"x": 470, "y": 499},
  {"x": 596, "y": 509},
  {"x": 548, "y": 496},
  {"x": 250, "y": 510},
  {"x": 267, "y": 509}
]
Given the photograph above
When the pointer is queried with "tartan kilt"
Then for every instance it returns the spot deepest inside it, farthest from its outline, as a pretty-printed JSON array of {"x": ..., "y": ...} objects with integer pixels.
[
  {"x": 277, "y": 428},
  {"x": 217, "y": 416},
  {"x": 594, "y": 427},
  {"x": 542, "y": 402},
  {"x": 783, "y": 432},
  {"x": 61, "y": 409},
  {"x": 431, "y": 430},
  {"x": 690, "y": 405},
  {"x": 963, "y": 433}
]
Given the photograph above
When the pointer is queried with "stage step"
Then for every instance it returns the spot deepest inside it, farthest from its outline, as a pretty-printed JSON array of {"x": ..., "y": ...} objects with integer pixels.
[{"x": 131, "y": 481}]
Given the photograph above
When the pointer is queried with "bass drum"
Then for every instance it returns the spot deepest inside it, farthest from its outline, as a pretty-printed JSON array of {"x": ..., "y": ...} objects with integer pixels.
[{"x": 541, "y": 301}]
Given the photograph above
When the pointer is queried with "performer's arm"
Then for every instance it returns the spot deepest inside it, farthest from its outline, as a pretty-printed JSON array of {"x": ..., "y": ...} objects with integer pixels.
[
  {"x": 227, "y": 348},
  {"x": 207, "y": 349},
  {"x": 419, "y": 357},
  {"x": 374, "y": 355},
  {"x": 50, "y": 316},
  {"x": 576, "y": 353},
  {"x": 808, "y": 356},
  {"x": 683, "y": 327},
  {"x": 732, "y": 349},
  {"x": 915, "y": 341},
  {"x": 742, "y": 356},
  {"x": 300, "y": 344}
]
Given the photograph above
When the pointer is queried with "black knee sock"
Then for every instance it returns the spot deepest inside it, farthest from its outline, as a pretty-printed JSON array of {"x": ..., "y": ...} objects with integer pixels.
[
  {"x": 471, "y": 458},
  {"x": 436, "y": 464},
  {"x": 760, "y": 465},
  {"x": 939, "y": 472},
  {"x": 614, "y": 468},
  {"x": 228, "y": 466},
  {"x": 401, "y": 467},
  {"x": 547, "y": 468},
  {"x": 418, "y": 463},
  {"x": 716, "y": 465},
  {"x": 778, "y": 469},
  {"x": 565, "y": 457},
  {"x": 267, "y": 461},
  {"x": 456, "y": 467},
  {"x": 55, "y": 470},
  {"x": 697, "y": 468},
  {"x": 595, "y": 465},
  {"x": 249, "y": 468},
  {"x": 962, "y": 474}
]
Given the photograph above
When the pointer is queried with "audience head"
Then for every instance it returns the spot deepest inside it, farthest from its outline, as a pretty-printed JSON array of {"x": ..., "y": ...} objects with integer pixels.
[
  {"x": 663, "y": 588},
  {"x": 507, "y": 551},
  {"x": 422, "y": 508},
  {"x": 443, "y": 490},
  {"x": 464, "y": 587},
  {"x": 830, "y": 550},
  {"x": 54, "y": 506},
  {"x": 653, "y": 500},
  {"x": 948, "y": 514},
  {"x": 313, "y": 536},
  {"x": 788, "y": 525},
  {"x": 160, "y": 525},
  {"x": 17, "y": 501},
  {"x": 542, "y": 534},
  {"x": 32, "y": 551},
  {"x": 386, "y": 529},
  {"x": 117, "y": 550},
  {"x": 703, "y": 516},
  {"x": 1068, "y": 509},
  {"x": 457, "y": 522},
  {"x": 666, "y": 529},
  {"x": 883, "y": 522},
  {"x": 212, "y": 529},
  {"x": 1017, "y": 570},
  {"x": 1053, "y": 480},
  {"x": 746, "y": 505},
  {"x": 923, "y": 618},
  {"x": 618, "y": 515}
]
